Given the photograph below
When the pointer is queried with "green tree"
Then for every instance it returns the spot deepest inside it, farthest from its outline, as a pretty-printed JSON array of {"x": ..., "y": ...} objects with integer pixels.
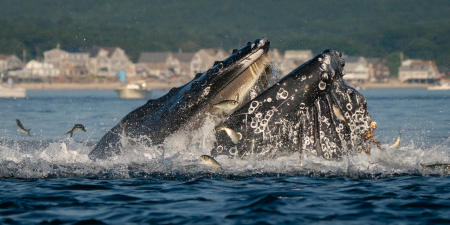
[{"x": 393, "y": 61}]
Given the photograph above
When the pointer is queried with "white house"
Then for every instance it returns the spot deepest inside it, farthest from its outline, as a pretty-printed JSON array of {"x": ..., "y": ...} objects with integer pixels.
[
  {"x": 204, "y": 59},
  {"x": 418, "y": 71},
  {"x": 9, "y": 62},
  {"x": 160, "y": 65},
  {"x": 108, "y": 61},
  {"x": 293, "y": 59},
  {"x": 35, "y": 70},
  {"x": 356, "y": 69}
]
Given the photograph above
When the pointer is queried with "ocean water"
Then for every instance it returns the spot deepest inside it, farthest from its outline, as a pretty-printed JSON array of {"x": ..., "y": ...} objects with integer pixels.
[{"x": 47, "y": 178}]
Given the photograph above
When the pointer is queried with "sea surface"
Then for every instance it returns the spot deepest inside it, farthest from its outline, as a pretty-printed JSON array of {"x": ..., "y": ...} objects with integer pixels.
[{"x": 47, "y": 178}]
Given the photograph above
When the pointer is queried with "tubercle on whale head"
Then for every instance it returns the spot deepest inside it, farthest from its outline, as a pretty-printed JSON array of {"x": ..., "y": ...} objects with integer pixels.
[
  {"x": 243, "y": 53},
  {"x": 252, "y": 48},
  {"x": 331, "y": 67},
  {"x": 222, "y": 72},
  {"x": 332, "y": 63},
  {"x": 215, "y": 80}
]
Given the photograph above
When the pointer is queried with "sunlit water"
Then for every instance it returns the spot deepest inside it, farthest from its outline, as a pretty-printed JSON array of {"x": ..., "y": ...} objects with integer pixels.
[{"x": 49, "y": 178}]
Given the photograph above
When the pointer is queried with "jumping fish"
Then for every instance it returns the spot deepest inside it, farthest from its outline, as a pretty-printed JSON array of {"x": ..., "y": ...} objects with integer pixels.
[
  {"x": 21, "y": 128},
  {"x": 76, "y": 127},
  {"x": 227, "y": 106},
  {"x": 234, "y": 136},
  {"x": 210, "y": 161},
  {"x": 397, "y": 142}
]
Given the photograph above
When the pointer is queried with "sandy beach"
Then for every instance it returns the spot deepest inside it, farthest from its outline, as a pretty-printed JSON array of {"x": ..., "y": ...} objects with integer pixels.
[
  {"x": 394, "y": 84},
  {"x": 90, "y": 86},
  {"x": 152, "y": 84}
]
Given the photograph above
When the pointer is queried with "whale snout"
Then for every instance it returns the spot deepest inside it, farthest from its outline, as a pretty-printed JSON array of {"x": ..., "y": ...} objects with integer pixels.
[{"x": 262, "y": 43}]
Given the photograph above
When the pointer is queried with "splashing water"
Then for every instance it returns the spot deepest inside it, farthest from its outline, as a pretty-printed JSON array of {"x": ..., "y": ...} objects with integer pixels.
[
  {"x": 421, "y": 116},
  {"x": 180, "y": 155}
]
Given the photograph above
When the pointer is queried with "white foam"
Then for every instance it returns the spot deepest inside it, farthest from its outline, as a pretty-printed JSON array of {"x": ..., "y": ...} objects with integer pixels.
[{"x": 180, "y": 154}]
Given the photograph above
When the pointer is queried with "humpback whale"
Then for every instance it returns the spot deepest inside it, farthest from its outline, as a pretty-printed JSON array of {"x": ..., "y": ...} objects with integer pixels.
[
  {"x": 310, "y": 110},
  {"x": 241, "y": 76}
]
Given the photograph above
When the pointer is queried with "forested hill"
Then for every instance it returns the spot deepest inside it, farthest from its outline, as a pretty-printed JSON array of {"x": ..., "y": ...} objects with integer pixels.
[{"x": 418, "y": 28}]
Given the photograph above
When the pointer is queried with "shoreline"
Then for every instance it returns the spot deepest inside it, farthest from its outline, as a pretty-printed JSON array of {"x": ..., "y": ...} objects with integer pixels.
[
  {"x": 89, "y": 86},
  {"x": 167, "y": 85}
]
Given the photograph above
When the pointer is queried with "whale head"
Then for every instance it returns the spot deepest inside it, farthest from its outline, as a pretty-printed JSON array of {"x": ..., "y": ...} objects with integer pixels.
[{"x": 237, "y": 78}]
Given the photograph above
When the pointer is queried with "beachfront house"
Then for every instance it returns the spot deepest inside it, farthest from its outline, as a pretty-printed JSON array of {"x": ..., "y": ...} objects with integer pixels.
[
  {"x": 356, "y": 69},
  {"x": 378, "y": 70},
  {"x": 185, "y": 63},
  {"x": 418, "y": 71},
  {"x": 36, "y": 71},
  {"x": 294, "y": 58},
  {"x": 70, "y": 64},
  {"x": 109, "y": 61},
  {"x": 8, "y": 63},
  {"x": 204, "y": 59},
  {"x": 159, "y": 65}
]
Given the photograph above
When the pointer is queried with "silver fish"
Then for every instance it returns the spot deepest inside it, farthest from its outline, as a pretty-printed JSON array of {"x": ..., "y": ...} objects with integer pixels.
[
  {"x": 21, "y": 128},
  {"x": 234, "y": 136},
  {"x": 210, "y": 161},
  {"x": 76, "y": 127},
  {"x": 226, "y": 106}
]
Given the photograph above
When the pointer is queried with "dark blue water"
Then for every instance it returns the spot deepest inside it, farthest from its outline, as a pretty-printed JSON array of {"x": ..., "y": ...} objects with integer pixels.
[{"x": 48, "y": 179}]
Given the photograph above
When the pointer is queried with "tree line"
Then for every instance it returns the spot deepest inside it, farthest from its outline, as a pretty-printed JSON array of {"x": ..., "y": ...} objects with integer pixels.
[{"x": 417, "y": 29}]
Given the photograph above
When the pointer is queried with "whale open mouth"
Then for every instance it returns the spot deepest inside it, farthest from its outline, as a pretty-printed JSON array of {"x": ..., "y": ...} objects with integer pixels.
[
  {"x": 222, "y": 89},
  {"x": 240, "y": 77}
]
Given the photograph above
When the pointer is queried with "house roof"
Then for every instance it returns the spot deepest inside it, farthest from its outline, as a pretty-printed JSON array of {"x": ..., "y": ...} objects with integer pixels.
[
  {"x": 94, "y": 51},
  {"x": 153, "y": 57},
  {"x": 352, "y": 59},
  {"x": 185, "y": 57},
  {"x": 5, "y": 56}
]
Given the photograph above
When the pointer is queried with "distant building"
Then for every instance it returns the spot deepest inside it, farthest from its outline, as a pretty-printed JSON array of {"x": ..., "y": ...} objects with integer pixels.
[
  {"x": 36, "y": 71},
  {"x": 293, "y": 59},
  {"x": 418, "y": 71},
  {"x": 204, "y": 59},
  {"x": 70, "y": 64},
  {"x": 160, "y": 65},
  {"x": 378, "y": 70},
  {"x": 356, "y": 69},
  {"x": 185, "y": 63},
  {"x": 9, "y": 62},
  {"x": 108, "y": 61}
]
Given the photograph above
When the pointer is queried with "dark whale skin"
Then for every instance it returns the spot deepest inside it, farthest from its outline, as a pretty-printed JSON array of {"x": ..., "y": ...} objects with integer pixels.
[{"x": 296, "y": 115}]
